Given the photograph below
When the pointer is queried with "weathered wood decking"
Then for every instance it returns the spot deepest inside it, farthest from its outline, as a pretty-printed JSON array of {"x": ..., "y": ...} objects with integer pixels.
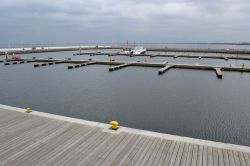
[{"x": 28, "y": 139}]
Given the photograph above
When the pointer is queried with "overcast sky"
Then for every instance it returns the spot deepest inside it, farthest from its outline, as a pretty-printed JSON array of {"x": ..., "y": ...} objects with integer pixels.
[{"x": 86, "y": 21}]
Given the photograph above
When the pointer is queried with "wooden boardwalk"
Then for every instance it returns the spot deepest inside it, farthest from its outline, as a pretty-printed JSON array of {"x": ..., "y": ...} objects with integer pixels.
[{"x": 30, "y": 139}]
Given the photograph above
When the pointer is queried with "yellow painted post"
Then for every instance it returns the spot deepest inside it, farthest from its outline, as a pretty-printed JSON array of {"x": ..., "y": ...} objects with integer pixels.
[
  {"x": 114, "y": 125},
  {"x": 28, "y": 110}
]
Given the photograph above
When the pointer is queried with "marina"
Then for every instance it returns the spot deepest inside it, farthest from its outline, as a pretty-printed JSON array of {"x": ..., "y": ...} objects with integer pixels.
[
  {"x": 119, "y": 64},
  {"x": 128, "y": 88},
  {"x": 38, "y": 138},
  {"x": 124, "y": 83},
  {"x": 236, "y": 57},
  {"x": 136, "y": 50}
]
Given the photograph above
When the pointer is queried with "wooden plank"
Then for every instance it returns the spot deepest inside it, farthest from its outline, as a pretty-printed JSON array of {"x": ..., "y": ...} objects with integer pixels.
[
  {"x": 133, "y": 157},
  {"x": 41, "y": 148},
  {"x": 68, "y": 147},
  {"x": 215, "y": 156},
  {"x": 226, "y": 157},
  {"x": 9, "y": 120},
  {"x": 199, "y": 155},
  {"x": 128, "y": 157},
  {"x": 220, "y": 157},
  {"x": 242, "y": 159},
  {"x": 11, "y": 146},
  {"x": 45, "y": 136},
  {"x": 65, "y": 143},
  {"x": 209, "y": 156},
  {"x": 179, "y": 154},
  {"x": 236, "y": 158},
  {"x": 161, "y": 152},
  {"x": 149, "y": 152},
  {"x": 126, "y": 151},
  {"x": 72, "y": 147},
  {"x": 5, "y": 113},
  {"x": 174, "y": 154},
  {"x": 93, "y": 157},
  {"x": 204, "y": 156},
  {"x": 89, "y": 144},
  {"x": 184, "y": 155},
  {"x": 154, "y": 154},
  {"x": 109, "y": 150},
  {"x": 169, "y": 154},
  {"x": 111, "y": 155},
  {"x": 195, "y": 155},
  {"x": 231, "y": 158},
  {"x": 46, "y": 148},
  {"x": 137, "y": 160},
  {"x": 189, "y": 155},
  {"x": 247, "y": 158},
  {"x": 12, "y": 130}
]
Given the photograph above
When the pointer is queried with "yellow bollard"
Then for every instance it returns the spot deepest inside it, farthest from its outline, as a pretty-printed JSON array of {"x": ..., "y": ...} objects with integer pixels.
[
  {"x": 114, "y": 125},
  {"x": 28, "y": 110}
]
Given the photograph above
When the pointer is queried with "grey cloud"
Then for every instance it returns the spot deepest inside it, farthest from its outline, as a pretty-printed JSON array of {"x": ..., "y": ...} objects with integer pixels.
[{"x": 113, "y": 20}]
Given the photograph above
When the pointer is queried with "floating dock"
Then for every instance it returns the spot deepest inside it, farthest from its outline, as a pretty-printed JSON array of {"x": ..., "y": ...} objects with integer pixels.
[
  {"x": 201, "y": 50},
  {"x": 48, "y": 63},
  {"x": 81, "y": 65},
  {"x": 226, "y": 58},
  {"x": 122, "y": 64},
  {"x": 38, "y": 138}
]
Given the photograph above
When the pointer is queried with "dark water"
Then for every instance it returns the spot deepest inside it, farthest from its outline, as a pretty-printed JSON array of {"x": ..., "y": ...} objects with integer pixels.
[{"x": 190, "y": 103}]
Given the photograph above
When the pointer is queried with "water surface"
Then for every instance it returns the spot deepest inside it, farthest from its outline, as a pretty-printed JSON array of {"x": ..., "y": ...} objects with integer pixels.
[{"x": 190, "y": 103}]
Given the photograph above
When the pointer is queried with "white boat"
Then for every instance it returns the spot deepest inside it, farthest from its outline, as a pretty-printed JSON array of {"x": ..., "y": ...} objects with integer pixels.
[
  {"x": 138, "y": 50},
  {"x": 126, "y": 51}
]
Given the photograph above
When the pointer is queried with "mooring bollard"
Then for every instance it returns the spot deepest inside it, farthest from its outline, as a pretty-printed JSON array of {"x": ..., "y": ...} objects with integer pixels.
[
  {"x": 28, "y": 110},
  {"x": 114, "y": 125}
]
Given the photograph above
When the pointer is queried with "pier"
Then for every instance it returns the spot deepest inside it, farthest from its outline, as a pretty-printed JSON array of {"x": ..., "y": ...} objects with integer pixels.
[
  {"x": 53, "y": 49},
  {"x": 226, "y": 58},
  {"x": 201, "y": 50},
  {"x": 38, "y": 138},
  {"x": 120, "y": 47},
  {"x": 121, "y": 64},
  {"x": 164, "y": 69},
  {"x": 48, "y": 63},
  {"x": 81, "y": 65},
  {"x": 218, "y": 72}
]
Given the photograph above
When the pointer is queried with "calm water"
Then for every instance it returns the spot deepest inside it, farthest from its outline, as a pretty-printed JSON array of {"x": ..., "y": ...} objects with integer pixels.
[{"x": 189, "y": 103}]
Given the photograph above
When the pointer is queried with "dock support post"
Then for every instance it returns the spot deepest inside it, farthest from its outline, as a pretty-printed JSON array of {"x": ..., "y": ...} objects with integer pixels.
[
  {"x": 164, "y": 69},
  {"x": 80, "y": 65},
  {"x": 218, "y": 72},
  {"x": 48, "y": 63},
  {"x": 119, "y": 66}
]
